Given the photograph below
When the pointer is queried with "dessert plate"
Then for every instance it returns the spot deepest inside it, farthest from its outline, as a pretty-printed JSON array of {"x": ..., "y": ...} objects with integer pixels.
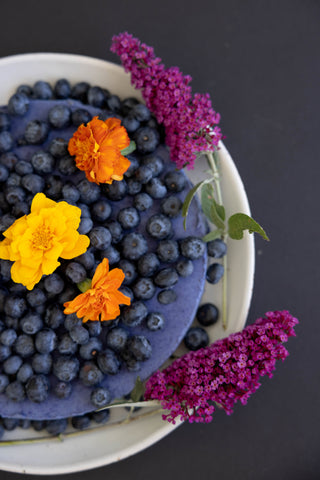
[{"x": 116, "y": 441}]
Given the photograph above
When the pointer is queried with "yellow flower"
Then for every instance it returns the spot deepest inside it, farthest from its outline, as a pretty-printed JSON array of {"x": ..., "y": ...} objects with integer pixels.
[
  {"x": 35, "y": 242},
  {"x": 102, "y": 300}
]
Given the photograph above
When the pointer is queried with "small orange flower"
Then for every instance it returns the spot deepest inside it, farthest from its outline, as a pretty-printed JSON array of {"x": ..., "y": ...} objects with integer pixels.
[
  {"x": 102, "y": 300},
  {"x": 97, "y": 147}
]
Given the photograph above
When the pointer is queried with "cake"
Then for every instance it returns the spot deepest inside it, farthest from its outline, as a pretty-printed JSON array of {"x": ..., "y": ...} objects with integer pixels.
[{"x": 126, "y": 221}]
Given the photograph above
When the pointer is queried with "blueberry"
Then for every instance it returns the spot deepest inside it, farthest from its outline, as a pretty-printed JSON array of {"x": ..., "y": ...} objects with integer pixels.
[
  {"x": 168, "y": 251},
  {"x": 5, "y": 123},
  {"x": 94, "y": 328},
  {"x": 116, "y": 339},
  {"x": 140, "y": 347},
  {"x": 132, "y": 364},
  {"x": 101, "y": 210},
  {"x": 6, "y": 141},
  {"x": 75, "y": 272},
  {"x": 100, "y": 238},
  {"x": 79, "y": 334},
  {"x": 15, "y": 391},
  {"x": 72, "y": 320},
  {"x": 207, "y": 314},
  {"x": 101, "y": 417},
  {"x": 156, "y": 188},
  {"x": 8, "y": 337},
  {"x": 129, "y": 270},
  {"x": 14, "y": 180},
  {"x": 42, "y": 90},
  {"x": 134, "y": 245},
  {"x": 46, "y": 340},
  {"x": 175, "y": 181},
  {"x": 53, "y": 316},
  {"x": 192, "y": 247},
  {"x": 134, "y": 314},
  {"x": 25, "y": 89},
  {"x": 130, "y": 123},
  {"x": 144, "y": 289},
  {"x": 24, "y": 423},
  {"x": 31, "y": 323},
  {"x": 216, "y": 248},
  {"x": 148, "y": 264},
  {"x": 116, "y": 231},
  {"x": 42, "y": 363},
  {"x": 36, "y": 132},
  {"x": 108, "y": 362},
  {"x": 15, "y": 195},
  {"x": 4, "y": 382},
  {"x": 112, "y": 254},
  {"x": 56, "y": 427},
  {"x": 59, "y": 116},
  {"x": 134, "y": 187},
  {"x": 79, "y": 91},
  {"x": 113, "y": 103},
  {"x": 53, "y": 284},
  {"x": 58, "y": 147},
  {"x": 10, "y": 423},
  {"x": 142, "y": 202},
  {"x": 96, "y": 97},
  {"x": 18, "y": 104},
  {"x": 196, "y": 337},
  {"x": 127, "y": 292},
  {"x": 143, "y": 174},
  {"x": 4, "y": 173},
  {"x": 23, "y": 168},
  {"x": 128, "y": 217},
  {"x": 167, "y": 296},
  {"x": 33, "y": 183},
  {"x": 167, "y": 277},
  {"x": 66, "y": 345},
  {"x": 155, "y": 321},
  {"x": 90, "y": 374},
  {"x": 9, "y": 160},
  {"x": 147, "y": 139},
  {"x": 62, "y": 88},
  {"x": 171, "y": 206},
  {"x": 24, "y": 373},
  {"x": 67, "y": 166},
  {"x": 53, "y": 187},
  {"x": 184, "y": 267},
  {"x": 66, "y": 368},
  {"x": 70, "y": 193},
  {"x": 80, "y": 422},
  {"x": 85, "y": 210},
  {"x": 134, "y": 164},
  {"x": 87, "y": 259},
  {"x": 159, "y": 226},
  {"x": 155, "y": 163},
  {"x": 38, "y": 425},
  {"x": 214, "y": 273},
  {"x": 80, "y": 116},
  {"x": 91, "y": 348},
  {"x": 62, "y": 389},
  {"x": 11, "y": 322},
  {"x": 141, "y": 112},
  {"x": 15, "y": 306},
  {"x": 69, "y": 293},
  {"x": 86, "y": 225},
  {"x": 37, "y": 388},
  {"x": 5, "y": 270},
  {"x": 89, "y": 192},
  {"x": 128, "y": 103},
  {"x": 12, "y": 364},
  {"x": 100, "y": 397}
]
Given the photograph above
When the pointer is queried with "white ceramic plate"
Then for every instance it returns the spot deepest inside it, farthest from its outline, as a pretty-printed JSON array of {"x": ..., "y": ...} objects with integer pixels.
[{"x": 112, "y": 443}]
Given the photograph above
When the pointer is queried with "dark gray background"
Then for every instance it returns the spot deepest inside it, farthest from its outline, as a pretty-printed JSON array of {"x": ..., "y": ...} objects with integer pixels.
[{"x": 259, "y": 60}]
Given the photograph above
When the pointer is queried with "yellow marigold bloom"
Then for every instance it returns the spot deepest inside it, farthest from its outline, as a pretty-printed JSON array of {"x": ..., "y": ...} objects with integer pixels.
[
  {"x": 102, "y": 300},
  {"x": 97, "y": 148},
  {"x": 35, "y": 242}
]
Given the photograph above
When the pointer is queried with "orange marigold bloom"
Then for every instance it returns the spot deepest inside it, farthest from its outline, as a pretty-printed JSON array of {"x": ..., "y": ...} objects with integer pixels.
[
  {"x": 102, "y": 300},
  {"x": 97, "y": 147}
]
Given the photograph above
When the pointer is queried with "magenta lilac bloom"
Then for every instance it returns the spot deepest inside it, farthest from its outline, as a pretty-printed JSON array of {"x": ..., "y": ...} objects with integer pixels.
[
  {"x": 191, "y": 124},
  {"x": 224, "y": 372}
]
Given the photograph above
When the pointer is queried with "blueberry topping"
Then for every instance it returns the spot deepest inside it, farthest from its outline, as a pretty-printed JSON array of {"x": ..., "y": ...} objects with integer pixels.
[
  {"x": 108, "y": 362},
  {"x": 192, "y": 247},
  {"x": 12, "y": 364},
  {"x": 18, "y": 104},
  {"x": 134, "y": 314},
  {"x": 101, "y": 210},
  {"x": 59, "y": 116},
  {"x": 167, "y": 277},
  {"x": 147, "y": 139},
  {"x": 56, "y": 427},
  {"x": 66, "y": 368},
  {"x": 24, "y": 373},
  {"x": 196, "y": 337},
  {"x": 54, "y": 284},
  {"x": 168, "y": 251},
  {"x": 42, "y": 90},
  {"x": 91, "y": 348},
  {"x": 67, "y": 166},
  {"x": 42, "y": 363},
  {"x": 117, "y": 339},
  {"x": 37, "y": 388},
  {"x": 134, "y": 245},
  {"x": 184, "y": 267},
  {"x": 171, "y": 206},
  {"x": 33, "y": 183},
  {"x": 159, "y": 226},
  {"x": 167, "y": 296},
  {"x": 175, "y": 181},
  {"x": 46, "y": 340},
  {"x": 79, "y": 91},
  {"x": 140, "y": 347},
  {"x": 214, "y": 273},
  {"x": 31, "y": 323},
  {"x": 5, "y": 123},
  {"x": 79, "y": 334},
  {"x": 80, "y": 116},
  {"x": 90, "y": 374},
  {"x": 76, "y": 272},
  {"x": 36, "y": 132},
  {"x": 80, "y": 422},
  {"x": 15, "y": 391},
  {"x": 144, "y": 289},
  {"x": 100, "y": 397},
  {"x": 217, "y": 248},
  {"x": 128, "y": 217},
  {"x": 6, "y": 141},
  {"x": 155, "y": 321},
  {"x": 62, "y": 88},
  {"x": 142, "y": 202},
  {"x": 8, "y": 337},
  {"x": 62, "y": 389},
  {"x": 129, "y": 270},
  {"x": 148, "y": 264},
  {"x": 100, "y": 238},
  {"x": 156, "y": 188}
]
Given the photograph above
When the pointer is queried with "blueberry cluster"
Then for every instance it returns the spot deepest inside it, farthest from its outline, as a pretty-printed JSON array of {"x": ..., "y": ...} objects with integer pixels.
[{"x": 42, "y": 350}]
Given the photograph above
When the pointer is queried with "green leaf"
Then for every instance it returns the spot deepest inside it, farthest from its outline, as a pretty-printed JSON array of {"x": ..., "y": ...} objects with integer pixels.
[
  {"x": 85, "y": 285},
  {"x": 137, "y": 391},
  {"x": 211, "y": 208},
  {"x": 240, "y": 222},
  {"x": 213, "y": 235},
  {"x": 189, "y": 197},
  {"x": 131, "y": 148}
]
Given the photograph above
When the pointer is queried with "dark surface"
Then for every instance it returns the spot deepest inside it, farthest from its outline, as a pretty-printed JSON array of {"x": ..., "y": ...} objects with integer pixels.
[{"x": 259, "y": 61}]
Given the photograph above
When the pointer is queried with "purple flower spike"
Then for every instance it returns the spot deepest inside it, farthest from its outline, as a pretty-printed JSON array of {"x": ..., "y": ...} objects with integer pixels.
[
  {"x": 189, "y": 120},
  {"x": 225, "y": 372}
]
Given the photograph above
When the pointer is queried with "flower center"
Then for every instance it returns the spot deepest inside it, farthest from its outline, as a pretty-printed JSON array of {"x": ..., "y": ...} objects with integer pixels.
[{"x": 42, "y": 238}]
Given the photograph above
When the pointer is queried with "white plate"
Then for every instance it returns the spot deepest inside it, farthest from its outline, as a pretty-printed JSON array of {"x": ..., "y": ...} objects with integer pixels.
[{"x": 113, "y": 443}]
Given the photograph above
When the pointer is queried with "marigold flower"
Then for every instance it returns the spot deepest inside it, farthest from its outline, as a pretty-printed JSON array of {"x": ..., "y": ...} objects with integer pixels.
[
  {"x": 102, "y": 300},
  {"x": 34, "y": 242},
  {"x": 97, "y": 148}
]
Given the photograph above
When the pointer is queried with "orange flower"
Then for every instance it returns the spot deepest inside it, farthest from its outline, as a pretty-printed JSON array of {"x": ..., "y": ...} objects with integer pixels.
[
  {"x": 102, "y": 300},
  {"x": 97, "y": 147}
]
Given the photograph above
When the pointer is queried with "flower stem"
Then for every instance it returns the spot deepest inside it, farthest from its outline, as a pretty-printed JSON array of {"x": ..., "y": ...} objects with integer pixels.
[{"x": 216, "y": 180}]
